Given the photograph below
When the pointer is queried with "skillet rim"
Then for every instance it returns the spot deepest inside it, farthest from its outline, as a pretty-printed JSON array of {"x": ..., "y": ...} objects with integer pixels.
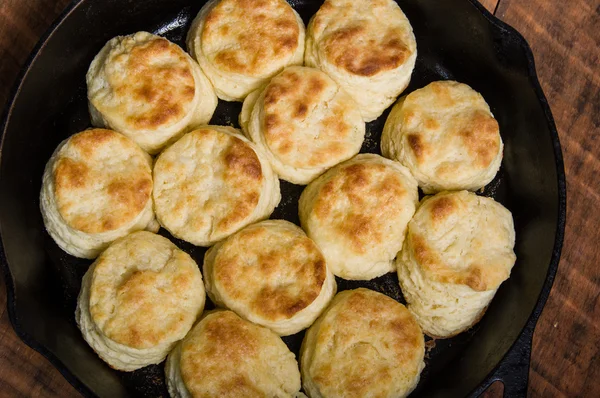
[{"x": 552, "y": 267}]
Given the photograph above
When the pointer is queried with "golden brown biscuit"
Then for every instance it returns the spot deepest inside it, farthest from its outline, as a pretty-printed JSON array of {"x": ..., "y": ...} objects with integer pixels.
[
  {"x": 446, "y": 135},
  {"x": 225, "y": 356},
  {"x": 364, "y": 345},
  {"x": 357, "y": 213},
  {"x": 211, "y": 183},
  {"x": 368, "y": 47},
  {"x": 138, "y": 299},
  {"x": 304, "y": 122},
  {"x": 149, "y": 89},
  {"x": 97, "y": 187},
  {"x": 458, "y": 250},
  {"x": 271, "y": 274},
  {"x": 242, "y": 43}
]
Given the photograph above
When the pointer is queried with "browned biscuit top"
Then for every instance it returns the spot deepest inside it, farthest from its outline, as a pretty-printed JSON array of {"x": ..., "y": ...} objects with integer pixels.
[
  {"x": 250, "y": 37},
  {"x": 145, "y": 291},
  {"x": 447, "y": 117},
  {"x": 146, "y": 82},
  {"x": 207, "y": 184},
  {"x": 365, "y": 344},
  {"x": 359, "y": 201},
  {"x": 363, "y": 38},
  {"x": 226, "y": 356},
  {"x": 461, "y": 238},
  {"x": 271, "y": 268},
  {"x": 102, "y": 181},
  {"x": 307, "y": 121}
]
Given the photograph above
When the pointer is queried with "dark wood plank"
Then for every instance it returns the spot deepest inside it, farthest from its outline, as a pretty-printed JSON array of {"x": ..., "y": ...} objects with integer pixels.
[
  {"x": 24, "y": 372},
  {"x": 22, "y": 22},
  {"x": 565, "y": 38}
]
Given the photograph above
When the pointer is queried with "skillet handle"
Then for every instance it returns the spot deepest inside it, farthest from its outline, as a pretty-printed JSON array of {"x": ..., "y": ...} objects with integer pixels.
[{"x": 513, "y": 371}]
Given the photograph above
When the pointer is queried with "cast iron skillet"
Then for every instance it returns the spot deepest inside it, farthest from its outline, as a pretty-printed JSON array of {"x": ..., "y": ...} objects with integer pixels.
[{"x": 457, "y": 39}]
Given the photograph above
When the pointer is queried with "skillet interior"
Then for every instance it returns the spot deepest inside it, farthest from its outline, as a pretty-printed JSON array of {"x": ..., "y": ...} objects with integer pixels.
[{"x": 455, "y": 41}]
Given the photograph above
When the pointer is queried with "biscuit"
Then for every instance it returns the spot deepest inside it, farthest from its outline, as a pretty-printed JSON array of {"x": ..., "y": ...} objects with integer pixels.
[
  {"x": 138, "y": 299},
  {"x": 304, "y": 122},
  {"x": 447, "y": 137},
  {"x": 240, "y": 44},
  {"x": 211, "y": 183},
  {"x": 365, "y": 344},
  {"x": 149, "y": 89},
  {"x": 97, "y": 187},
  {"x": 457, "y": 252},
  {"x": 270, "y": 273},
  {"x": 357, "y": 213},
  {"x": 367, "y": 47},
  {"x": 225, "y": 356}
]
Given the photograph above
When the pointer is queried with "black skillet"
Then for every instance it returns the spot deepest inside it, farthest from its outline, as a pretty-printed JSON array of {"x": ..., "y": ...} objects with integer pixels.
[{"x": 457, "y": 39}]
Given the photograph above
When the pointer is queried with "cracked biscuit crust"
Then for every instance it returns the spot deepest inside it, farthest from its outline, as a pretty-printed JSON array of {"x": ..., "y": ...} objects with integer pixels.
[
  {"x": 446, "y": 135},
  {"x": 304, "y": 122},
  {"x": 211, "y": 183},
  {"x": 458, "y": 250},
  {"x": 138, "y": 299},
  {"x": 367, "y": 47},
  {"x": 364, "y": 344},
  {"x": 272, "y": 274},
  {"x": 357, "y": 212},
  {"x": 242, "y": 43}
]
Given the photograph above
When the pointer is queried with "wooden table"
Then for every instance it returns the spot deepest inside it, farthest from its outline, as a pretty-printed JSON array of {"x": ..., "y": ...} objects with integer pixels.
[{"x": 565, "y": 37}]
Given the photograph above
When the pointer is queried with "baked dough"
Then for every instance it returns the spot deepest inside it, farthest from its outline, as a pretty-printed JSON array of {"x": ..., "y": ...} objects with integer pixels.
[
  {"x": 211, "y": 183},
  {"x": 357, "y": 213},
  {"x": 149, "y": 89},
  {"x": 364, "y": 345},
  {"x": 227, "y": 357},
  {"x": 271, "y": 274},
  {"x": 97, "y": 187},
  {"x": 240, "y": 44},
  {"x": 446, "y": 135},
  {"x": 367, "y": 47},
  {"x": 304, "y": 122},
  {"x": 458, "y": 250},
  {"x": 138, "y": 299}
]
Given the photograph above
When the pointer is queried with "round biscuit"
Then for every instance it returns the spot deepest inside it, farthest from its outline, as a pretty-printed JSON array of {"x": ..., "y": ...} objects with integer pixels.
[
  {"x": 304, "y": 122},
  {"x": 149, "y": 89},
  {"x": 272, "y": 274},
  {"x": 457, "y": 252},
  {"x": 447, "y": 137},
  {"x": 364, "y": 345},
  {"x": 97, "y": 187},
  {"x": 357, "y": 213},
  {"x": 228, "y": 357},
  {"x": 368, "y": 47},
  {"x": 211, "y": 183},
  {"x": 138, "y": 299},
  {"x": 240, "y": 44}
]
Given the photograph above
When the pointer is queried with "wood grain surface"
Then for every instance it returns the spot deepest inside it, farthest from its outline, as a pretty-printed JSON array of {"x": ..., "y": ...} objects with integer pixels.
[{"x": 565, "y": 38}]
